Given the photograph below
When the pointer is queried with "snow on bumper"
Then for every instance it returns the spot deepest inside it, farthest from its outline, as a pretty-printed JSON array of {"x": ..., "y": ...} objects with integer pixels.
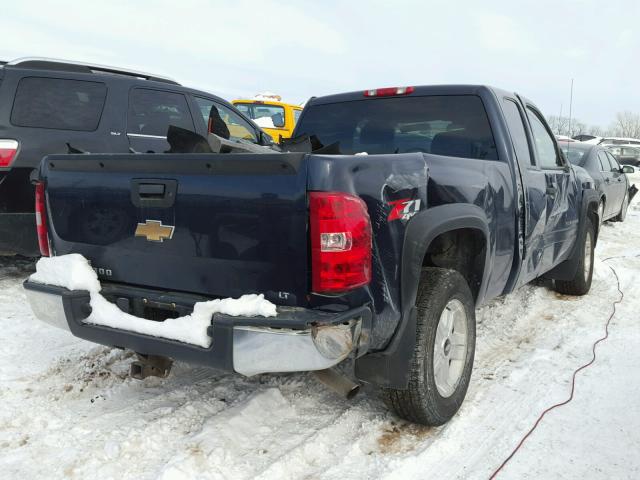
[{"x": 294, "y": 340}]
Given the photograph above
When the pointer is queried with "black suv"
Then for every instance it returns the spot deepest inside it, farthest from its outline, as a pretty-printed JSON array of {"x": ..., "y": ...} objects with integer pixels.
[{"x": 54, "y": 106}]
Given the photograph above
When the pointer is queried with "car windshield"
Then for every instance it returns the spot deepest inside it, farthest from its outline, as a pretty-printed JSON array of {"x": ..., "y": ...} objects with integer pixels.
[
  {"x": 576, "y": 154},
  {"x": 451, "y": 125},
  {"x": 266, "y": 116}
]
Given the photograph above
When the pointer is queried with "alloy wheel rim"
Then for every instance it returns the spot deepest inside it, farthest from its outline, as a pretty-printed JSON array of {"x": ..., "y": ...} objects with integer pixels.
[{"x": 450, "y": 348}]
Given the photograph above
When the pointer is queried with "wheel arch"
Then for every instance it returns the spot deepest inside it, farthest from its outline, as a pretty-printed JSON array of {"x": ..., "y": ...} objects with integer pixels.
[
  {"x": 422, "y": 235},
  {"x": 390, "y": 367},
  {"x": 588, "y": 210}
]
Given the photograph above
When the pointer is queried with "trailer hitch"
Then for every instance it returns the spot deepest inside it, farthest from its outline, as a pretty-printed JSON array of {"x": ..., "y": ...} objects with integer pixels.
[{"x": 150, "y": 366}]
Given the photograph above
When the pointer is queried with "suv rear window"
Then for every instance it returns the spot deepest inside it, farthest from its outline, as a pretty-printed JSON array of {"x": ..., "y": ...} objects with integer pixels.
[
  {"x": 58, "y": 103},
  {"x": 452, "y": 125}
]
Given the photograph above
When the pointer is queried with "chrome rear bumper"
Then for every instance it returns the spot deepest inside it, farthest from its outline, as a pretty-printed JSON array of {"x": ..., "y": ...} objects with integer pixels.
[{"x": 296, "y": 340}]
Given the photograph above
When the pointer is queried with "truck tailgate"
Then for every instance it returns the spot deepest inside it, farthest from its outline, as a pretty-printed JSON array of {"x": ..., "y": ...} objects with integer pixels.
[{"x": 218, "y": 225}]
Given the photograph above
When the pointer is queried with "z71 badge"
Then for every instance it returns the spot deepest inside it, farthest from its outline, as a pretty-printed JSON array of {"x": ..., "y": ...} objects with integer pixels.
[{"x": 403, "y": 209}]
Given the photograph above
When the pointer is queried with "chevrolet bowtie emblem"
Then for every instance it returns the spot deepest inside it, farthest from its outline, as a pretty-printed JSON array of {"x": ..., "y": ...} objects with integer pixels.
[{"x": 154, "y": 231}]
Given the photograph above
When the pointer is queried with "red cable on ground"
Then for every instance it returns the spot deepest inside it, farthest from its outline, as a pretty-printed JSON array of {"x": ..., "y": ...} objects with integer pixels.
[{"x": 573, "y": 380}]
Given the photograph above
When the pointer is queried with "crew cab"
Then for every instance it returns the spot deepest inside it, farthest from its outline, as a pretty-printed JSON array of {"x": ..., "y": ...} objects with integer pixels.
[{"x": 394, "y": 214}]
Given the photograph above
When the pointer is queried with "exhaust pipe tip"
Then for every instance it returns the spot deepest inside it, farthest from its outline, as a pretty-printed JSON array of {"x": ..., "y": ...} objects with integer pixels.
[{"x": 339, "y": 383}]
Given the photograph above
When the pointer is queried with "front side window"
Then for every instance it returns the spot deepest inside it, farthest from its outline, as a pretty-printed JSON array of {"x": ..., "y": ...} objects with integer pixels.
[
  {"x": 265, "y": 116},
  {"x": 58, "y": 103},
  {"x": 296, "y": 116},
  {"x": 152, "y": 111},
  {"x": 615, "y": 166},
  {"x": 451, "y": 125},
  {"x": 545, "y": 145},
  {"x": 224, "y": 122}
]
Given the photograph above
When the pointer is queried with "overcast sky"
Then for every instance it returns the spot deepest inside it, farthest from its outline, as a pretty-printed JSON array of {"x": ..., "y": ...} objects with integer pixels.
[{"x": 299, "y": 48}]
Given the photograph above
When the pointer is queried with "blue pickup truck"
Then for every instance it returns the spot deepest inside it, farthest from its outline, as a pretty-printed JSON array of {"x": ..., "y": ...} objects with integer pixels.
[{"x": 410, "y": 207}]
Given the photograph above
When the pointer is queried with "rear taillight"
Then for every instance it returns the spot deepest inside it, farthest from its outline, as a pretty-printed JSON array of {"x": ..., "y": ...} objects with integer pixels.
[
  {"x": 340, "y": 242},
  {"x": 388, "y": 92},
  {"x": 8, "y": 150},
  {"x": 41, "y": 220}
]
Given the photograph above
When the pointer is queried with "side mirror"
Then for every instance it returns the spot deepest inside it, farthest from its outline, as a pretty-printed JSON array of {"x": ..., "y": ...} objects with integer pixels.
[
  {"x": 278, "y": 120},
  {"x": 627, "y": 169}
]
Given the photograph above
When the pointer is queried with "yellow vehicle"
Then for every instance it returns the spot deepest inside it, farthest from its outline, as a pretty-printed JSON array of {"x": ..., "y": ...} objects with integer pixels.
[{"x": 274, "y": 117}]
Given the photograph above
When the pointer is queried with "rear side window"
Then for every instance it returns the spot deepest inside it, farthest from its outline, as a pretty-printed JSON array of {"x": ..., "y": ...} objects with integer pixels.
[
  {"x": 516, "y": 129},
  {"x": 58, "y": 103},
  {"x": 452, "y": 125},
  {"x": 152, "y": 111}
]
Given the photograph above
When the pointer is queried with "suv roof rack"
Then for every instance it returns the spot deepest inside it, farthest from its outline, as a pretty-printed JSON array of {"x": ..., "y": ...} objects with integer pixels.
[{"x": 82, "y": 67}]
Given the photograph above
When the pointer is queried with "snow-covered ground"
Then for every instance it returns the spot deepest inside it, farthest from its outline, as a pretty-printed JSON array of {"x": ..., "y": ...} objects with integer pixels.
[{"x": 68, "y": 408}]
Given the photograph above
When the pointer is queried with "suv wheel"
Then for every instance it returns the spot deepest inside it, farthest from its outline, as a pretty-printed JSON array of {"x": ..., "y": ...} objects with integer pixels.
[{"x": 444, "y": 350}]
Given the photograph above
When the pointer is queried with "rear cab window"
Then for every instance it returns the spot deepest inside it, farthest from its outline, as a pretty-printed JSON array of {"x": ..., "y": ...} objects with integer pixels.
[
  {"x": 56, "y": 103},
  {"x": 451, "y": 125},
  {"x": 152, "y": 111}
]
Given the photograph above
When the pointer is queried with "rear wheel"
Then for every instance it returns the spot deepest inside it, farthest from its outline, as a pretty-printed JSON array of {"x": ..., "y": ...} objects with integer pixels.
[
  {"x": 623, "y": 209},
  {"x": 444, "y": 350},
  {"x": 581, "y": 282}
]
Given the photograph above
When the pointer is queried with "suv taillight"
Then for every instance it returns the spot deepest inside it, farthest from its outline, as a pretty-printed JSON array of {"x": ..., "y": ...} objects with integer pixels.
[
  {"x": 8, "y": 150},
  {"x": 340, "y": 242},
  {"x": 41, "y": 220}
]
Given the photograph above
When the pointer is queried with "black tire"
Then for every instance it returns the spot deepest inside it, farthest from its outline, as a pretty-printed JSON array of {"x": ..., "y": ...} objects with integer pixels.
[
  {"x": 421, "y": 402},
  {"x": 581, "y": 282},
  {"x": 623, "y": 209}
]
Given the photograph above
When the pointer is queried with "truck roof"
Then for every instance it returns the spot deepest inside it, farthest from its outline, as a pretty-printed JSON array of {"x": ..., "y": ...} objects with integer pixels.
[{"x": 450, "y": 89}]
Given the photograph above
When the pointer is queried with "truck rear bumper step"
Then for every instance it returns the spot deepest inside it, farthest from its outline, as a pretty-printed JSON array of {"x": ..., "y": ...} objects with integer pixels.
[{"x": 296, "y": 340}]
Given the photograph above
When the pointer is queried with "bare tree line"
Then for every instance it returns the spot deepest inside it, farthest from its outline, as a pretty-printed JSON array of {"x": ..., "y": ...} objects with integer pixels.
[{"x": 626, "y": 124}]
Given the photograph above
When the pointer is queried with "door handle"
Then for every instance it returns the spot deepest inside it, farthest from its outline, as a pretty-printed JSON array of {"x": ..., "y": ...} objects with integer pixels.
[
  {"x": 158, "y": 193},
  {"x": 151, "y": 190},
  {"x": 607, "y": 180}
]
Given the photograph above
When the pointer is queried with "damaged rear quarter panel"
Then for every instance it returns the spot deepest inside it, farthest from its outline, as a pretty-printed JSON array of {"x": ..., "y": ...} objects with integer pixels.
[
  {"x": 436, "y": 181},
  {"x": 379, "y": 180}
]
